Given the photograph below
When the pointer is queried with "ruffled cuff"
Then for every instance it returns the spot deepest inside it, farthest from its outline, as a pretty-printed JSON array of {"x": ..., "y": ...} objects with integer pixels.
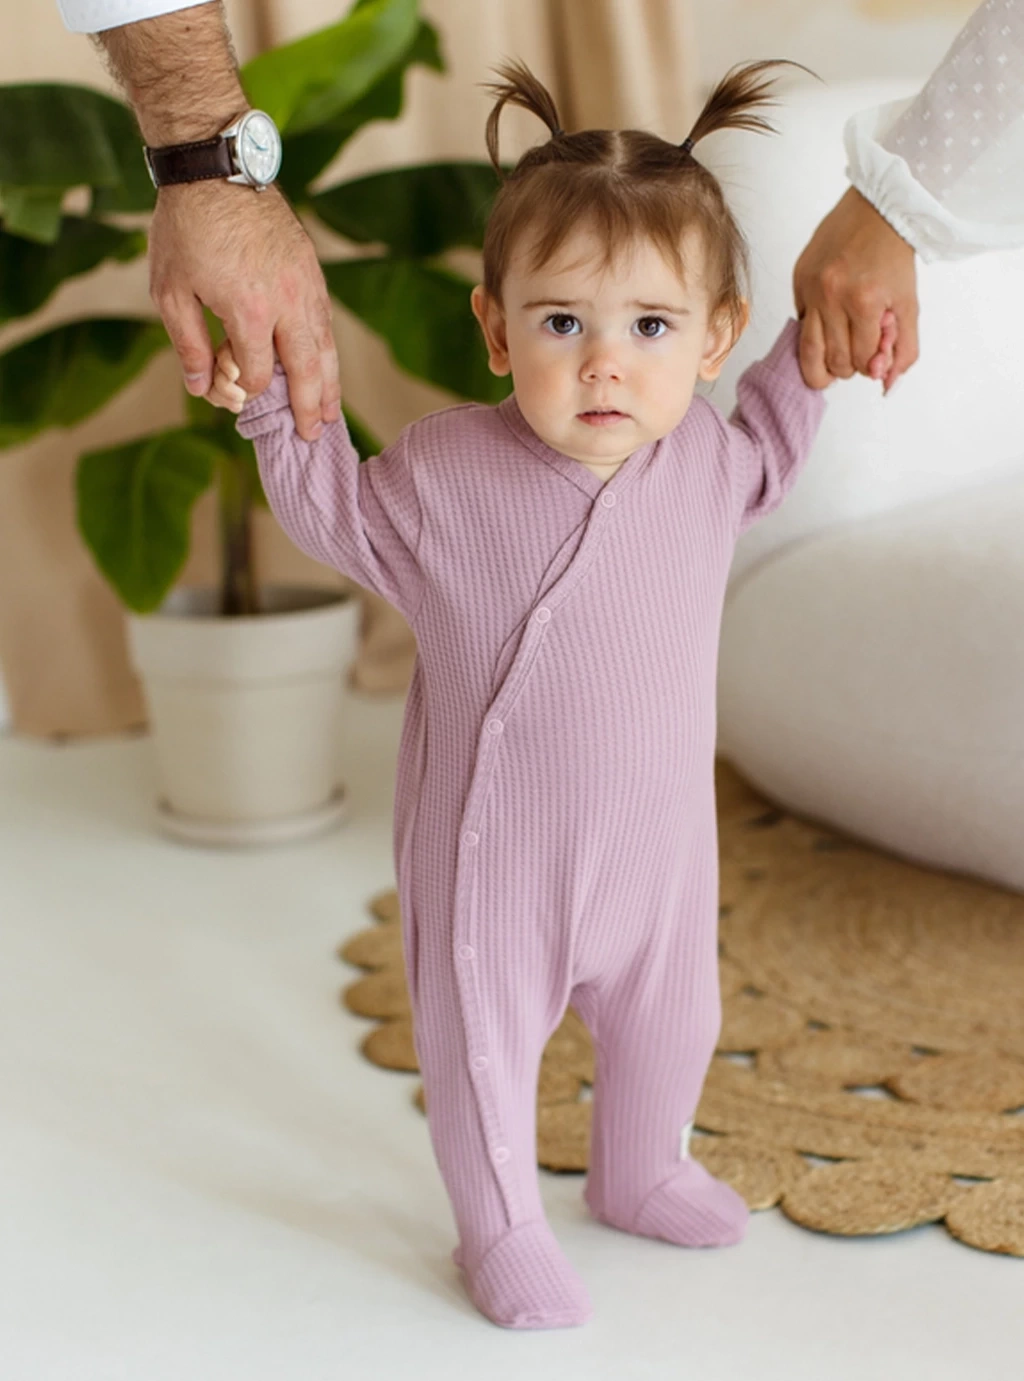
[{"x": 885, "y": 180}]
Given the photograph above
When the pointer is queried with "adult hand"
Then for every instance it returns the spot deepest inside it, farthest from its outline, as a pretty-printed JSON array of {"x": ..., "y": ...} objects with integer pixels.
[
  {"x": 855, "y": 268},
  {"x": 246, "y": 256}
]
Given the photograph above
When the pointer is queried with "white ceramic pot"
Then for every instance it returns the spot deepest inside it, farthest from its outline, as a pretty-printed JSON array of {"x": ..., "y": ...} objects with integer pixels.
[{"x": 245, "y": 712}]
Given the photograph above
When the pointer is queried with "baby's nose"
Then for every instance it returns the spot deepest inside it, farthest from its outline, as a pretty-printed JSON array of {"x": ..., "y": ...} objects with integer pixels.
[{"x": 602, "y": 364}]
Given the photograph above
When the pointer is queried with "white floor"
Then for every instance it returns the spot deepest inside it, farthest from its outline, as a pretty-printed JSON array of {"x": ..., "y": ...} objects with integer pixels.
[{"x": 202, "y": 1178}]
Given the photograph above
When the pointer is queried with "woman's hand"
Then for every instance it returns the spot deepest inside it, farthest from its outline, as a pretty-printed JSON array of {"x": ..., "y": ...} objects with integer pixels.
[{"x": 855, "y": 269}]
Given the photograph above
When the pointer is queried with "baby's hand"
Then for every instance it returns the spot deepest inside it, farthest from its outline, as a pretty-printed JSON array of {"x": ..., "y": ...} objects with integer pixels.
[
  {"x": 224, "y": 392},
  {"x": 880, "y": 364}
]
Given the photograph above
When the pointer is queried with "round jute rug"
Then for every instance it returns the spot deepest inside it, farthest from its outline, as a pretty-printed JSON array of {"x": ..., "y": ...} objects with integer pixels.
[{"x": 870, "y": 1069}]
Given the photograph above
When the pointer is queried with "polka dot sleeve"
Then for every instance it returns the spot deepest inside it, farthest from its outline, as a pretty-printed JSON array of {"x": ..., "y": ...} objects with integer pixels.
[{"x": 944, "y": 168}]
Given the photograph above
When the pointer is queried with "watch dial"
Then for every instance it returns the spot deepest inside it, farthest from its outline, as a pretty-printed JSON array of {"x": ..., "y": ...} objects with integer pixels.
[{"x": 259, "y": 148}]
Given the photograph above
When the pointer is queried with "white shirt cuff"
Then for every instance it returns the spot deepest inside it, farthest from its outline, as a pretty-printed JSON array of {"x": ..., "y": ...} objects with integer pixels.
[{"x": 92, "y": 16}]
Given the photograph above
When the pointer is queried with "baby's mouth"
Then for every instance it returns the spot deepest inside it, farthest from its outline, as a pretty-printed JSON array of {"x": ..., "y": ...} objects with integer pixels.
[{"x": 602, "y": 417}]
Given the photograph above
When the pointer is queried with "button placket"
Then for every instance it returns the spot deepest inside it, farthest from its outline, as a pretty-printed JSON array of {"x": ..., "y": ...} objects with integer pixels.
[{"x": 488, "y": 757}]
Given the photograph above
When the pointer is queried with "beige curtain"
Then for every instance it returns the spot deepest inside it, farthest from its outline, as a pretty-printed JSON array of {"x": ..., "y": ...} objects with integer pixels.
[{"x": 62, "y": 645}]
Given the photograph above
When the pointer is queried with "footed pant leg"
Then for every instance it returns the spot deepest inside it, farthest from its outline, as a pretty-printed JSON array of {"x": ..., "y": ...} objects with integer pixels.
[
  {"x": 655, "y": 1025},
  {"x": 480, "y": 1033}
]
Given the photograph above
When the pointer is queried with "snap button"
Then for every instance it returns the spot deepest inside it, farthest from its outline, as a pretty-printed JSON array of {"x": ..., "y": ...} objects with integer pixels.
[
  {"x": 467, "y": 952},
  {"x": 543, "y": 615},
  {"x": 608, "y": 500},
  {"x": 501, "y": 1155},
  {"x": 470, "y": 838},
  {"x": 480, "y": 1062},
  {"x": 495, "y": 726}
]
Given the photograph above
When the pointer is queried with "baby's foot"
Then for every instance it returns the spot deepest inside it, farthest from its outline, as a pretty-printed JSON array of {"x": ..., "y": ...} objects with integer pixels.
[
  {"x": 525, "y": 1281},
  {"x": 691, "y": 1208}
]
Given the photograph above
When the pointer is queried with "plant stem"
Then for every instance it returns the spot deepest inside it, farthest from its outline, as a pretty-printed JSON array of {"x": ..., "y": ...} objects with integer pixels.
[{"x": 238, "y": 581}]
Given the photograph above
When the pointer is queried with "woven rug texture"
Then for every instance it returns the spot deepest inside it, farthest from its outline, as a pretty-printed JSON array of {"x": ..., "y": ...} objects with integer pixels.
[{"x": 870, "y": 1069}]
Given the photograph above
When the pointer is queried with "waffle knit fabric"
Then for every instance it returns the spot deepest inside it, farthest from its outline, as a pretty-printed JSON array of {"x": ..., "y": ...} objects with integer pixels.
[{"x": 555, "y": 833}]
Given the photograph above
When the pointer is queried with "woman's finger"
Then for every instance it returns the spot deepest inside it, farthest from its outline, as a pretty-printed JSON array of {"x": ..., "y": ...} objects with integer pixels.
[
  {"x": 836, "y": 328},
  {"x": 812, "y": 351}
]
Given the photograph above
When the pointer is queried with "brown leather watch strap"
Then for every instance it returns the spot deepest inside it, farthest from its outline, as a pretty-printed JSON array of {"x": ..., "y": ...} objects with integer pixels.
[{"x": 191, "y": 162}]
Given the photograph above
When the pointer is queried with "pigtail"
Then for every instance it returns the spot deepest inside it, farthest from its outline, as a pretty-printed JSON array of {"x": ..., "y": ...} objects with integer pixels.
[
  {"x": 734, "y": 100},
  {"x": 518, "y": 87}
]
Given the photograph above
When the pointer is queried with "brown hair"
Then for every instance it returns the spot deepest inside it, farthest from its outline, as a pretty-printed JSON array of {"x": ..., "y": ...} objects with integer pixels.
[{"x": 623, "y": 183}]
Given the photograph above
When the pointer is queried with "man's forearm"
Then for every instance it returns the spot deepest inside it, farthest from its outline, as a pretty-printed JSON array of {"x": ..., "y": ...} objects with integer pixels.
[{"x": 179, "y": 71}]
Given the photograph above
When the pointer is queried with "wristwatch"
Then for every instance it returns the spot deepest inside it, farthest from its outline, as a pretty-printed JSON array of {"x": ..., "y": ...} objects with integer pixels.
[{"x": 247, "y": 151}]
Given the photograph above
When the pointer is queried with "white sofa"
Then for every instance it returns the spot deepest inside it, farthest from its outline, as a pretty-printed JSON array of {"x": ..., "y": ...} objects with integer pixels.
[{"x": 872, "y": 662}]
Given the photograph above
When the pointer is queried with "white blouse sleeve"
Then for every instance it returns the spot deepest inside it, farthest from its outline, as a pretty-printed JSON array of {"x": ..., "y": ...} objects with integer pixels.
[
  {"x": 946, "y": 168},
  {"x": 91, "y": 16}
]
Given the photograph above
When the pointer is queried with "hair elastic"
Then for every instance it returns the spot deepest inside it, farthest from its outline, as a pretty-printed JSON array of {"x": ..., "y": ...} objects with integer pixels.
[
  {"x": 557, "y": 132},
  {"x": 686, "y": 145}
]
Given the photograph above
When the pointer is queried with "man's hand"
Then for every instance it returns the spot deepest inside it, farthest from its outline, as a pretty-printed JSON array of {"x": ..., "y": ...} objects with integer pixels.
[
  {"x": 242, "y": 253},
  {"x": 246, "y": 256},
  {"x": 854, "y": 270}
]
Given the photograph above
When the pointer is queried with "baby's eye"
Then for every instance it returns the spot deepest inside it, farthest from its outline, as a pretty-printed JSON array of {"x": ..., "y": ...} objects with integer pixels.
[
  {"x": 561, "y": 323},
  {"x": 652, "y": 327}
]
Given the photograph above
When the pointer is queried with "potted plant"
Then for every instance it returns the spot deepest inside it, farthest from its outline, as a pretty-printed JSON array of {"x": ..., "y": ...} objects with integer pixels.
[{"x": 242, "y": 684}]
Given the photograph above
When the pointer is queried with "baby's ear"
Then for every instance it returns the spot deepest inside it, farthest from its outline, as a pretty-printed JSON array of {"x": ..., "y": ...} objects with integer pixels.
[
  {"x": 489, "y": 314},
  {"x": 724, "y": 330}
]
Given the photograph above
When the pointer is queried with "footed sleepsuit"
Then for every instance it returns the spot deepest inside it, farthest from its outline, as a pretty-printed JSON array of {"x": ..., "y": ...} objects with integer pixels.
[{"x": 555, "y": 830}]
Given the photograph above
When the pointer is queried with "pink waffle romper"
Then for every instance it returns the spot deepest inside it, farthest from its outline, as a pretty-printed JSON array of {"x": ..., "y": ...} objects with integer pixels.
[{"x": 555, "y": 834}]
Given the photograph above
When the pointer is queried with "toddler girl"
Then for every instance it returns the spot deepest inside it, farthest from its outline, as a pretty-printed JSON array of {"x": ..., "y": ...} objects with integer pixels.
[{"x": 562, "y": 559}]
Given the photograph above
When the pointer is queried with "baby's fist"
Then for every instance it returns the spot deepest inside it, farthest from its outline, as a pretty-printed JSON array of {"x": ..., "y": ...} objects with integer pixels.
[
  {"x": 224, "y": 391},
  {"x": 880, "y": 365}
]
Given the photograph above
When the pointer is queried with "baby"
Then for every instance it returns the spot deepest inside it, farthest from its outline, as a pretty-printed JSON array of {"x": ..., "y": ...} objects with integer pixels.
[{"x": 562, "y": 559}]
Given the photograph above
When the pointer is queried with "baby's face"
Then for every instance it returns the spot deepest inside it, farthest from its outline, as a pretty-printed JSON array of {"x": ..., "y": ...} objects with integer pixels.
[{"x": 603, "y": 360}]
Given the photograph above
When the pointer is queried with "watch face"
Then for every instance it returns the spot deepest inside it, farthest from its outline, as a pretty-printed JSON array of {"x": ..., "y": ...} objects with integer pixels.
[{"x": 259, "y": 147}]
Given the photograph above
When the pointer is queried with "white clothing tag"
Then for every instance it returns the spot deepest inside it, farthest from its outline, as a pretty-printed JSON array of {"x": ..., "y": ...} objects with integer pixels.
[{"x": 684, "y": 1147}]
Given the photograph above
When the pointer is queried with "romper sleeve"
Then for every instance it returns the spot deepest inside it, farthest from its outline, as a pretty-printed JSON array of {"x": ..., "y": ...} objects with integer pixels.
[
  {"x": 93, "y": 16},
  {"x": 945, "y": 167},
  {"x": 361, "y": 518},
  {"x": 771, "y": 429}
]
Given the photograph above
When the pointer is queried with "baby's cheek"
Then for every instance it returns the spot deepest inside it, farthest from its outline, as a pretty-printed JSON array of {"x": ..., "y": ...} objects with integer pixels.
[
  {"x": 547, "y": 382},
  {"x": 666, "y": 395}
]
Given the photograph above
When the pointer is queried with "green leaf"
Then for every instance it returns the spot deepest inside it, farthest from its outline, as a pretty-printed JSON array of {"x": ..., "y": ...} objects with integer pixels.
[
  {"x": 134, "y": 190},
  {"x": 426, "y": 48},
  {"x": 58, "y": 135},
  {"x": 424, "y": 314},
  {"x": 29, "y": 272},
  {"x": 53, "y": 135},
  {"x": 134, "y": 508},
  {"x": 305, "y": 83},
  {"x": 360, "y": 435},
  {"x": 305, "y": 156},
  {"x": 218, "y": 425},
  {"x": 417, "y": 212},
  {"x": 32, "y": 212},
  {"x": 62, "y": 376}
]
